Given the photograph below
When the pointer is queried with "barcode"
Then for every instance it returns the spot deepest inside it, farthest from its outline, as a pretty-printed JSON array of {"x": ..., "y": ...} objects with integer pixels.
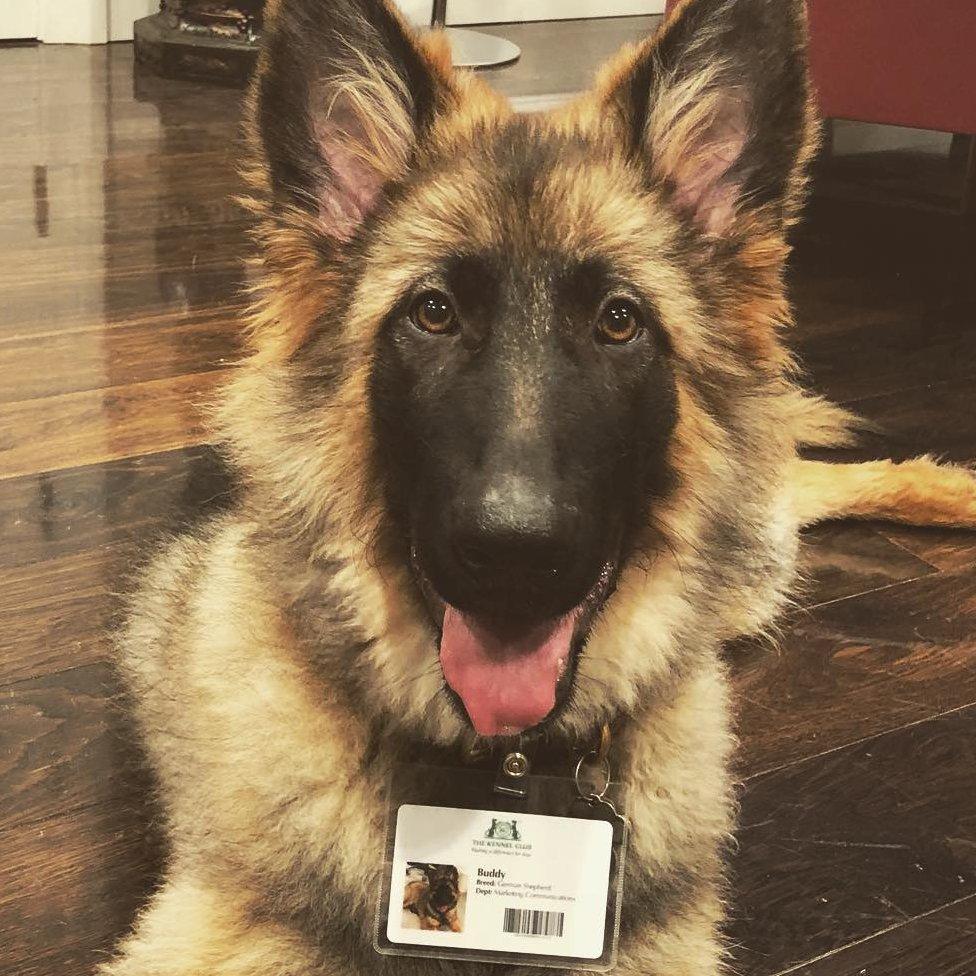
[{"x": 524, "y": 921}]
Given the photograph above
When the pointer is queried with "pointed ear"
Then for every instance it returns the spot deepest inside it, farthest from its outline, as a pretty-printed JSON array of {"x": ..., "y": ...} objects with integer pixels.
[
  {"x": 717, "y": 107},
  {"x": 343, "y": 92}
]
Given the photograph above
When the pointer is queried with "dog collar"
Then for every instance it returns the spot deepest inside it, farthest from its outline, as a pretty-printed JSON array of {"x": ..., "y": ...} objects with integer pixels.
[{"x": 592, "y": 773}]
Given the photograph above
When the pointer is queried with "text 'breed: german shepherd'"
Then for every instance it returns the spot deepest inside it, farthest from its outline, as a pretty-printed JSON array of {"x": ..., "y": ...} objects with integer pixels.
[{"x": 519, "y": 450}]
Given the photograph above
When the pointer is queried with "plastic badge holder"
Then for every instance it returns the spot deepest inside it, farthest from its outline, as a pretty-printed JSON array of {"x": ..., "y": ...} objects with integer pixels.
[{"x": 478, "y": 873}]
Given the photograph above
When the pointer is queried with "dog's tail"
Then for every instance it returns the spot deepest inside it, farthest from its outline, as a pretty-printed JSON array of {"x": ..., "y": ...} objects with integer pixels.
[{"x": 918, "y": 492}]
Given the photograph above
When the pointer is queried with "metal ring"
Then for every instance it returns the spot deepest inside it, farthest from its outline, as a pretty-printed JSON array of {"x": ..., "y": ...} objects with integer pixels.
[
  {"x": 604, "y": 765},
  {"x": 515, "y": 765}
]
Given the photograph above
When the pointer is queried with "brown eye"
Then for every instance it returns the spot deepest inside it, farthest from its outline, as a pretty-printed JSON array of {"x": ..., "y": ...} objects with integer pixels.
[
  {"x": 434, "y": 313},
  {"x": 618, "y": 322}
]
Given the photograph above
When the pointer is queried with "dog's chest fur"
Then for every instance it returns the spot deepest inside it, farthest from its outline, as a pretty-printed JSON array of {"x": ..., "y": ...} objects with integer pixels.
[{"x": 294, "y": 806}]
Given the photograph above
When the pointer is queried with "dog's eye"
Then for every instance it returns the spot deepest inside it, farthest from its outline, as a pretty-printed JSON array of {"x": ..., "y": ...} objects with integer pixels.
[
  {"x": 434, "y": 313},
  {"x": 619, "y": 321}
]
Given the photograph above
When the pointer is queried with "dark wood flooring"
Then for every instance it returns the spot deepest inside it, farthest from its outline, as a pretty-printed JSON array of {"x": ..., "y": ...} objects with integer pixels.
[{"x": 119, "y": 292}]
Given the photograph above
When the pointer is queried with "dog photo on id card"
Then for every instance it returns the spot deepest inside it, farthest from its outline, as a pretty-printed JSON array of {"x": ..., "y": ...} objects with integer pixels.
[{"x": 433, "y": 897}]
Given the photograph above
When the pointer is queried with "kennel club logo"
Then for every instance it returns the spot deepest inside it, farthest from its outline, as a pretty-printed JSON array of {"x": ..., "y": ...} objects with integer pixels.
[
  {"x": 503, "y": 830},
  {"x": 501, "y": 837}
]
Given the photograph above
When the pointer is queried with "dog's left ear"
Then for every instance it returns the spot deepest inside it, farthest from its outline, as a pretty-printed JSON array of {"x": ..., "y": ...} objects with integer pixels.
[
  {"x": 717, "y": 107},
  {"x": 343, "y": 93}
]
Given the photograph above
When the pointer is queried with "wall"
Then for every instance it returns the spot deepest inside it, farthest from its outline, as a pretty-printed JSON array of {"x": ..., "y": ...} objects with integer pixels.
[
  {"x": 98, "y": 21},
  {"x": 72, "y": 21},
  {"x": 122, "y": 14},
  {"x": 506, "y": 11}
]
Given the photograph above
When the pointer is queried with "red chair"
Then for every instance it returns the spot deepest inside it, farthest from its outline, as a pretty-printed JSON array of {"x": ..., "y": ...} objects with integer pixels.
[{"x": 897, "y": 62}]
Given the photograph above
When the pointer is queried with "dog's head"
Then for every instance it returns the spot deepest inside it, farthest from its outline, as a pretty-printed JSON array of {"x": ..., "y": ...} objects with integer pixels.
[
  {"x": 444, "y": 883},
  {"x": 518, "y": 376}
]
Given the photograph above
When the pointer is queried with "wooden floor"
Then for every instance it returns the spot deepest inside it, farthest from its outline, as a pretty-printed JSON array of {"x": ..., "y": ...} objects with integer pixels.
[{"x": 119, "y": 290}]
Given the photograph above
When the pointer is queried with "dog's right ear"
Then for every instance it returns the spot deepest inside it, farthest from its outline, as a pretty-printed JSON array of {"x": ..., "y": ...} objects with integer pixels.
[{"x": 342, "y": 95}]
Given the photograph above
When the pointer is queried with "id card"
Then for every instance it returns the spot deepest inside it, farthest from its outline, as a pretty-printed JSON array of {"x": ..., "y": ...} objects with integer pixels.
[
  {"x": 516, "y": 883},
  {"x": 501, "y": 885}
]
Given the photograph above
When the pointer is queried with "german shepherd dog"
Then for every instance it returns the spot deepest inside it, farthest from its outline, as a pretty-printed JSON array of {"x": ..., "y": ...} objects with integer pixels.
[
  {"x": 433, "y": 896},
  {"x": 519, "y": 445}
]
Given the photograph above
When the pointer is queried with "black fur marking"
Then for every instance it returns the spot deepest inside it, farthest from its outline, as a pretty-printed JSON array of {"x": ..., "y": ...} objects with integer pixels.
[
  {"x": 305, "y": 45},
  {"x": 762, "y": 44},
  {"x": 524, "y": 406}
]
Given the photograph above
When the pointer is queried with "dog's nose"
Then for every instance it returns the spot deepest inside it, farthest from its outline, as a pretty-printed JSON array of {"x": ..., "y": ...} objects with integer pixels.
[{"x": 515, "y": 537}]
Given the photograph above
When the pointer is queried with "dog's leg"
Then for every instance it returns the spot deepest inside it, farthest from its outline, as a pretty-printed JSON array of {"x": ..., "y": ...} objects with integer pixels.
[
  {"x": 918, "y": 492},
  {"x": 453, "y": 922},
  {"x": 190, "y": 930}
]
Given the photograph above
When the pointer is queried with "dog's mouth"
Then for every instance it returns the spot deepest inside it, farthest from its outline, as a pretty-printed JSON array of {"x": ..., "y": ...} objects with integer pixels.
[{"x": 512, "y": 678}]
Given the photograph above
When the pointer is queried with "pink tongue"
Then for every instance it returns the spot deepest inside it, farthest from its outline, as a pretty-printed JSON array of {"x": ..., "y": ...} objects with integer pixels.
[{"x": 506, "y": 683}]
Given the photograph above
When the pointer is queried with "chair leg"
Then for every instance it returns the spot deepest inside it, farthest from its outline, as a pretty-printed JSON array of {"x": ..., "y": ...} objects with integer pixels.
[{"x": 969, "y": 183}]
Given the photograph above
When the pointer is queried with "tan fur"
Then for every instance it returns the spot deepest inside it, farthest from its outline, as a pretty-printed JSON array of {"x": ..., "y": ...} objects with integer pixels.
[
  {"x": 196, "y": 928},
  {"x": 264, "y": 757},
  {"x": 919, "y": 492}
]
